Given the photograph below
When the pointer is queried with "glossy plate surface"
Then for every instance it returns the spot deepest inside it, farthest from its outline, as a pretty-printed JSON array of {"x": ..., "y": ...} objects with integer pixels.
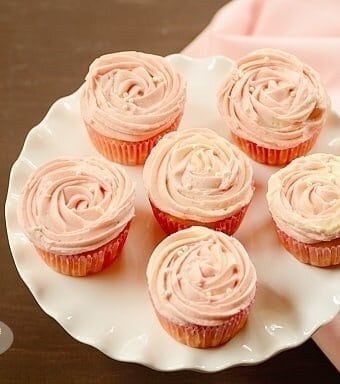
[{"x": 112, "y": 312}]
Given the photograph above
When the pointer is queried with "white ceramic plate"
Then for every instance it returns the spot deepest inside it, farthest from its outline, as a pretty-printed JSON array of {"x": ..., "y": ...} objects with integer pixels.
[{"x": 112, "y": 312}]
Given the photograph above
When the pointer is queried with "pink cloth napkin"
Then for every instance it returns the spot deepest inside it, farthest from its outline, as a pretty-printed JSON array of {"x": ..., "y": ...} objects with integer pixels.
[{"x": 308, "y": 28}]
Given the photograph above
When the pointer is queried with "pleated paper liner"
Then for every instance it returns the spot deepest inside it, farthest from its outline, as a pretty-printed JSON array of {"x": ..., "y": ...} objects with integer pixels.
[
  {"x": 271, "y": 156},
  {"x": 128, "y": 152},
  {"x": 88, "y": 262},
  {"x": 171, "y": 224},
  {"x": 199, "y": 336},
  {"x": 322, "y": 254}
]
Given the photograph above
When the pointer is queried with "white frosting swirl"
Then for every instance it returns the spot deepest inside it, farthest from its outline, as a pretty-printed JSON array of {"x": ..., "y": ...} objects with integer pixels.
[
  {"x": 200, "y": 276},
  {"x": 198, "y": 175},
  {"x": 273, "y": 99},
  {"x": 304, "y": 198},
  {"x": 132, "y": 96},
  {"x": 73, "y": 205}
]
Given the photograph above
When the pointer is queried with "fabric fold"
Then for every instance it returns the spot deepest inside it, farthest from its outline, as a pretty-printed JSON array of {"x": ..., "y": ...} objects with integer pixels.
[{"x": 307, "y": 28}]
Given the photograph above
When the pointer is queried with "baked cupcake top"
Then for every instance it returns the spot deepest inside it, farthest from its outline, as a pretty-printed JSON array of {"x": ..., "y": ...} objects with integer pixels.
[
  {"x": 304, "y": 198},
  {"x": 132, "y": 96},
  {"x": 200, "y": 276},
  {"x": 73, "y": 205},
  {"x": 198, "y": 175},
  {"x": 273, "y": 99}
]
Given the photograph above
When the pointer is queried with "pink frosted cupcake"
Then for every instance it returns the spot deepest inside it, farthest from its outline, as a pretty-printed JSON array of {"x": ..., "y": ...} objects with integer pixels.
[
  {"x": 304, "y": 200},
  {"x": 196, "y": 177},
  {"x": 274, "y": 105},
  {"x": 202, "y": 284},
  {"x": 76, "y": 212},
  {"x": 130, "y": 100}
]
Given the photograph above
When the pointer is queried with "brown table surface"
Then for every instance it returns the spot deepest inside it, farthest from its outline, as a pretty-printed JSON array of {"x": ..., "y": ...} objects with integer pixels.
[{"x": 46, "y": 47}]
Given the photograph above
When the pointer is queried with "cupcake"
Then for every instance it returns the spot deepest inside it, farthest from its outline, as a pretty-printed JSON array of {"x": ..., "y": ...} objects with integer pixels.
[
  {"x": 130, "y": 100},
  {"x": 76, "y": 212},
  {"x": 304, "y": 200},
  {"x": 202, "y": 285},
  {"x": 274, "y": 105},
  {"x": 196, "y": 177}
]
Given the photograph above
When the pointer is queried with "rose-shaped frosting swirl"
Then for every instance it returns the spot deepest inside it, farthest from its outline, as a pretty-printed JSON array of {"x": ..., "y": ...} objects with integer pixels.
[
  {"x": 72, "y": 205},
  {"x": 200, "y": 276},
  {"x": 304, "y": 198},
  {"x": 198, "y": 175},
  {"x": 273, "y": 99},
  {"x": 132, "y": 96}
]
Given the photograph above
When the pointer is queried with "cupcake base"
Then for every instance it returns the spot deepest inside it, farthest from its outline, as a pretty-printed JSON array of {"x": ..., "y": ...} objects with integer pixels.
[
  {"x": 199, "y": 336},
  {"x": 127, "y": 152},
  {"x": 171, "y": 224},
  {"x": 86, "y": 263},
  {"x": 272, "y": 156},
  {"x": 322, "y": 254}
]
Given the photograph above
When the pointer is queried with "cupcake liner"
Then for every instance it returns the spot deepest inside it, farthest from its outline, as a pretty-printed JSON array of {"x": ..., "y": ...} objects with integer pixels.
[
  {"x": 127, "y": 152},
  {"x": 322, "y": 254},
  {"x": 271, "y": 156},
  {"x": 171, "y": 224},
  {"x": 199, "y": 336},
  {"x": 86, "y": 263}
]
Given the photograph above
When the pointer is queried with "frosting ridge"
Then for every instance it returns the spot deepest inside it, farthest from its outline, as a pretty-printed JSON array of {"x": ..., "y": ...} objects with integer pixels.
[
  {"x": 198, "y": 175},
  {"x": 132, "y": 96},
  {"x": 73, "y": 205},
  {"x": 273, "y": 99},
  {"x": 304, "y": 198},
  {"x": 200, "y": 276}
]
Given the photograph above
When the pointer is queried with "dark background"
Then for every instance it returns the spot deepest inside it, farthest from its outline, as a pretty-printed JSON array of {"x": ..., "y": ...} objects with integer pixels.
[{"x": 46, "y": 47}]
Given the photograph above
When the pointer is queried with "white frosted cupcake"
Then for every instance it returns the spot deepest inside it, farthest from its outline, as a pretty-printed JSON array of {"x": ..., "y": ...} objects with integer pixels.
[
  {"x": 76, "y": 212},
  {"x": 304, "y": 200},
  {"x": 130, "y": 100},
  {"x": 274, "y": 104},
  {"x": 196, "y": 177},
  {"x": 202, "y": 285}
]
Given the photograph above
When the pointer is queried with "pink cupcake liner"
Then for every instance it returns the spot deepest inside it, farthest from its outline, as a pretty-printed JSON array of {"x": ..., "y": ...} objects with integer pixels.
[
  {"x": 322, "y": 254},
  {"x": 274, "y": 156},
  {"x": 199, "y": 336},
  {"x": 127, "y": 152},
  {"x": 171, "y": 224},
  {"x": 88, "y": 262}
]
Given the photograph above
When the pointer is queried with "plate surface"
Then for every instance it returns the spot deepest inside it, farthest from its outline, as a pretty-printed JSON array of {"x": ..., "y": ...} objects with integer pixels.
[{"x": 112, "y": 312}]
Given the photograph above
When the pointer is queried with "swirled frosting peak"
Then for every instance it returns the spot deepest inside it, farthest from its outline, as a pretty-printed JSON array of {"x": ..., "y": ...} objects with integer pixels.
[
  {"x": 73, "y": 205},
  {"x": 304, "y": 198},
  {"x": 198, "y": 175},
  {"x": 132, "y": 96},
  {"x": 273, "y": 99},
  {"x": 200, "y": 276}
]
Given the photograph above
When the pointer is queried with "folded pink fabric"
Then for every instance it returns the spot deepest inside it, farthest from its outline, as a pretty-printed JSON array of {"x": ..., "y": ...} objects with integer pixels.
[{"x": 310, "y": 29}]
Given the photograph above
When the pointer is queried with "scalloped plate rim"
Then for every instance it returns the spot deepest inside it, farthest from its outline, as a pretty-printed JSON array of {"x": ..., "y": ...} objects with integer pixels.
[{"x": 59, "y": 318}]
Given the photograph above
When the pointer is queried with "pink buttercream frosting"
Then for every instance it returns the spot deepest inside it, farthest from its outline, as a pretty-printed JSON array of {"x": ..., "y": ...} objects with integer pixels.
[
  {"x": 200, "y": 276},
  {"x": 304, "y": 198},
  {"x": 132, "y": 96},
  {"x": 273, "y": 99},
  {"x": 198, "y": 175},
  {"x": 73, "y": 205}
]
